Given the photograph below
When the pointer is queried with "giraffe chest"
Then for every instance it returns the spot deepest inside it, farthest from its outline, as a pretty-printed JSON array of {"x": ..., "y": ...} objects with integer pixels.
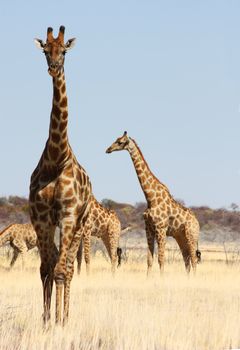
[{"x": 47, "y": 193}]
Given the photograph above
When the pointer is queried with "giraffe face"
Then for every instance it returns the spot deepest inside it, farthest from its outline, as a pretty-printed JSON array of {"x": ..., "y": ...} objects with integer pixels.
[
  {"x": 55, "y": 50},
  {"x": 120, "y": 144}
]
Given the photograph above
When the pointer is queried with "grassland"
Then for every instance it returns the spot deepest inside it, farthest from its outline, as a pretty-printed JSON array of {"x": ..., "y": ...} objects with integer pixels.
[{"x": 173, "y": 311}]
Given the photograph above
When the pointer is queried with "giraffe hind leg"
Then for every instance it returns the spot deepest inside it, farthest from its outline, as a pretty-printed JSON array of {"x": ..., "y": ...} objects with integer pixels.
[
  {"x": 119, "y": 255},
  {"x": 113, "y": 242},
  {"x": 87, "y": 249},
  {"x": 110, "y": 249},
  {"x": 79, "y": 257},
  {"x": 187, "y": 249}
]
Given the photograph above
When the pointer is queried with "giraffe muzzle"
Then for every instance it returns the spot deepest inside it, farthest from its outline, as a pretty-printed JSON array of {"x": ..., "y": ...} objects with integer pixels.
[
  {"x": 108, "y": 150},
  {"x": 54, "y": 69}
]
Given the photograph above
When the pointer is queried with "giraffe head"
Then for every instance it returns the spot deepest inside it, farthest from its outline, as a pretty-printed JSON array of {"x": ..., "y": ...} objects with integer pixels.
[
  {"x": 120, "y": 144},
  {"x": 55, "y": 50}
]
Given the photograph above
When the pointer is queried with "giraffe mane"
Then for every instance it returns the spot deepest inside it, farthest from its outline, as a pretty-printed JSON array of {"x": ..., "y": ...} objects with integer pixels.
[
  {"x": 165, "y": 187},
  {"x": 180, "y": 205},
  {"x": 139, "y": 150}
]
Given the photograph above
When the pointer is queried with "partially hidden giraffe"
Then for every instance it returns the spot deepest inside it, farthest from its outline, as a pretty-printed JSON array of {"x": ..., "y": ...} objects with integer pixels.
[
  {"x": 21, "y": 237},
  {"x": 164, "y": 216},
  {"x": 60, "y": 189},
  {"x": 105, "y": 224}
]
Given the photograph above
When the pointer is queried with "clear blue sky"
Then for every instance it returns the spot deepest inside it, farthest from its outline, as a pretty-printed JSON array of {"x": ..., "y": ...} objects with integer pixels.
[{"x": 168, "y": 72}]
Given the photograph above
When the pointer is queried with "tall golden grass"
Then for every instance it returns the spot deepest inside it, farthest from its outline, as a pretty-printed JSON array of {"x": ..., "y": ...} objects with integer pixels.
[{"x": 173, "y": 311}]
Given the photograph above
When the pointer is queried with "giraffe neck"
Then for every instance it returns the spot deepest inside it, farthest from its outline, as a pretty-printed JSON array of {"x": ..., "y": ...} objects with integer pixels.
[
  {"x": 57, "y": 145},
  {"x": 148, "y": 181}
]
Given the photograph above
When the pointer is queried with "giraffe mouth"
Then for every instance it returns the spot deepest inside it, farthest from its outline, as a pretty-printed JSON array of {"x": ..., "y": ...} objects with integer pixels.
[
  {"x": 108, "y": 150},
  {"x": 54, "y": 72}
]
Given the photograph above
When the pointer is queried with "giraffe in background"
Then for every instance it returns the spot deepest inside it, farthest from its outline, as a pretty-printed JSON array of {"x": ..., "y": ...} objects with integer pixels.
[
  {"x": 60, "y": 189},
  {"x": 102, "y": 223},
  {"x": 163, "y": 216},
  {"x": 21, "y": 237}
]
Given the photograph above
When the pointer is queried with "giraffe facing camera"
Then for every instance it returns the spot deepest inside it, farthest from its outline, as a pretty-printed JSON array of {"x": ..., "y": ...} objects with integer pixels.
[
  {"x": 60, "y": 190},
  {"x": 55, "y": 50}
]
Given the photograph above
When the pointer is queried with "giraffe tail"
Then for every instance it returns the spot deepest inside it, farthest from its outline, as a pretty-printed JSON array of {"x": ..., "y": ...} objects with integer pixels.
[
  {"x": 119, "y": 255},
  {"x": 5, "y": 235},
  {"x": 198, "y": 255}
]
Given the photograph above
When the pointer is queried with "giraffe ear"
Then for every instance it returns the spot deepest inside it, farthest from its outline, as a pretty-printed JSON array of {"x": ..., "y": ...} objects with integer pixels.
[
  {"x": 70, "y": 43},
  {"x": 39, "y": 43}
]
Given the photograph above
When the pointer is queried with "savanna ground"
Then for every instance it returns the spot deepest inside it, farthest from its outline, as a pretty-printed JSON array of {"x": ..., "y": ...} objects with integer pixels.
[{"x": 173, "y": 311}]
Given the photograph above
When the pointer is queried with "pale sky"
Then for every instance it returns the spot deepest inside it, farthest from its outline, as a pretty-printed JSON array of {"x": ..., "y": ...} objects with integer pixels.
[{"x": 168, "y": 72}]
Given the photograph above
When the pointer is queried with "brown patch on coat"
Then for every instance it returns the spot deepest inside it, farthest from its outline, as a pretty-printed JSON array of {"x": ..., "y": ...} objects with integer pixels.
[
  {"x": 62, "y": 126},
  {"x": 63, "y": 103},
  {"x": 53, "y": 152},
  {"x": 55, "y": 137}
]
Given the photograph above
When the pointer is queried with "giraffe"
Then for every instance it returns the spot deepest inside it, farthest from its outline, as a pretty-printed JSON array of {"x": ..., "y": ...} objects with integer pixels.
[
  {"x": 102, "y": 223},
  {"x": 60, "y": 190},
  {"x": 164, "y": 216},
  {"x": 21, "y": 237}
]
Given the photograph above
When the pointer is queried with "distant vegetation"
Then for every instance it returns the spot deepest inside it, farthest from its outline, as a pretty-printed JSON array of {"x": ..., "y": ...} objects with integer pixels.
[{"x": 217, "y": 225}]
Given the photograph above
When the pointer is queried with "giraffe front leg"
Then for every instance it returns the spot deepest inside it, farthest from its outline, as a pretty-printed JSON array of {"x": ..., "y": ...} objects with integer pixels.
[
  {"x": 150, "y": 252},
  {"x": 23, "y": 256},
  {"x": 48, "y": 255},
  {"x": 66, "y": 235},
  {"x": 22, "y": 249},
  {"x": 70, "y": 271},
  {"x": 46, "y": 270},
  {"x": 161, "y": 241},
  {"x": 14, "y": 257}
]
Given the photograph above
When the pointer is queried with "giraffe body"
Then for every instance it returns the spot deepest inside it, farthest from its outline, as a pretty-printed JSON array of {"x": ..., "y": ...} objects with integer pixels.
[
  {"x": 102, "y": 223},
  {"x": 164, "y": 216},
  {"x": 60, "y": 190},
  {"x": 21, "y": 238}
]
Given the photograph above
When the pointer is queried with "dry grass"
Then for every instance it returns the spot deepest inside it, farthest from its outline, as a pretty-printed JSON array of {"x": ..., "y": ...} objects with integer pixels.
[{"x": 128, "y": 312}]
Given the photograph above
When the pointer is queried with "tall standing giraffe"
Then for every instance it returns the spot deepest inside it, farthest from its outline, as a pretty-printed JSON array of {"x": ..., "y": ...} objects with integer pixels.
[
  {"x": 163, "y": 216},
  {"x": 60, "y": 189}
]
